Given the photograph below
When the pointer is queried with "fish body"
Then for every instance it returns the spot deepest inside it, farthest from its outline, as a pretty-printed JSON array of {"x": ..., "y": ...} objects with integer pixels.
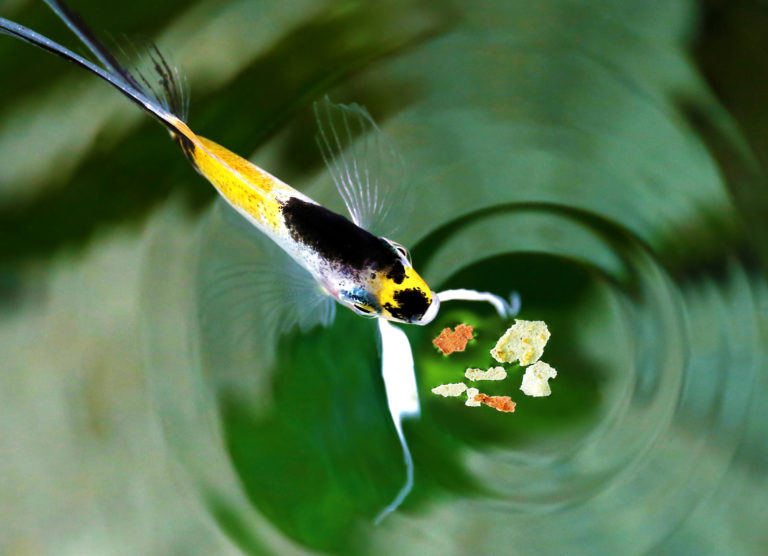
[{"x": 367, "y": 273}]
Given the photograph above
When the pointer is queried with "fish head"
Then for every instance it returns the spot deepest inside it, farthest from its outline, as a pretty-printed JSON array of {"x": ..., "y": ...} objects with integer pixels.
[{"x": 395, "y": 291}]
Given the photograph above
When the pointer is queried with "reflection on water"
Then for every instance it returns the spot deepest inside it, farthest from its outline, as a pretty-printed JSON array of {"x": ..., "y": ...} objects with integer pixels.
[{"x": 568, "y": 153}]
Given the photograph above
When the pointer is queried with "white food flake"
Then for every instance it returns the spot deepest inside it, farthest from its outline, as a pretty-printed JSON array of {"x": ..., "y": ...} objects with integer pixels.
[
  {"x": 494, "y": 373},
  {"x": 449, "y": 390},
  {"x": 471, "y": 393},
  {"x": 523, "y": 341},
  {"x": 535, "y": 380}
]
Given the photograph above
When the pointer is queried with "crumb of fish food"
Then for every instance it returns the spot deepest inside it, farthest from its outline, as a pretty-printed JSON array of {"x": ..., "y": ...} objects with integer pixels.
[
  {"x": 535, "y": 380},
  {"x": 450, "y": 341},
  {"x": 523, "y": 341},
  {"x": 494, "y": 373},
  {"x": 499, "y": 403},
  {"x": 472, "y": 393},
  {"x": 450, "y": 390}
]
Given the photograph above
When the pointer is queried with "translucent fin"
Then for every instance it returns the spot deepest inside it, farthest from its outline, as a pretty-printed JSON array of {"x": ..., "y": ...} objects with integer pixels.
[
  {"x": 158, "y": 78},
  {"x": 249, "y": 293},
  {"x": 365, "y": 166},
  {"x": 397, "y": 370},
  {"x": 503, "y": 307}
]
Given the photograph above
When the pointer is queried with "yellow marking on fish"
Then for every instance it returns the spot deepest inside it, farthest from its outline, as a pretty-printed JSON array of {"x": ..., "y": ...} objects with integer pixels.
[
  {"x": 242, "y": 183},
  {"x": 412, "y": 280}
]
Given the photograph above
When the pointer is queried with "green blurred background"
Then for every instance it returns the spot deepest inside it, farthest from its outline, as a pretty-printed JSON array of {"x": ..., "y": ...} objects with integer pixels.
[{"x": 604, "y": 159}]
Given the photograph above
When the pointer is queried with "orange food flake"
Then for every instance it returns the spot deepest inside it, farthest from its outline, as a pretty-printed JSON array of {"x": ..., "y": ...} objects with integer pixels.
[
  {"x": 499, "y": 403},
  {"x": 449, "y": 341}
]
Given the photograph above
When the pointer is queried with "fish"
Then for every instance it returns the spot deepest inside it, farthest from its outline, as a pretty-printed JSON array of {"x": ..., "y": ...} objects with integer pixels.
[{"x": 371, "y": 275}]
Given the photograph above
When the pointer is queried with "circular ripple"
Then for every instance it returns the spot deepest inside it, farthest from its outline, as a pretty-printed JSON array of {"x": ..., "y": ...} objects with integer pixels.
[{"x": 671, "y": 361}]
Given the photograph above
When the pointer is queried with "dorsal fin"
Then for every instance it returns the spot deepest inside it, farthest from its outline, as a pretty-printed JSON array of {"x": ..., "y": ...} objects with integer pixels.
[{"x": 365, "y": 165}]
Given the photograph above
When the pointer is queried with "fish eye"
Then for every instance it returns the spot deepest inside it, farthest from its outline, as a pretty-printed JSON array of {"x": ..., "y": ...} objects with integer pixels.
[{"x": 401, "y": 250}]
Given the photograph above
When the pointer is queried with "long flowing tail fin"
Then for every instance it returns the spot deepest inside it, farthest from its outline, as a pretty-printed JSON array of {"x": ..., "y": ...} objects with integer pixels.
[{"x": 165, "y": 100}]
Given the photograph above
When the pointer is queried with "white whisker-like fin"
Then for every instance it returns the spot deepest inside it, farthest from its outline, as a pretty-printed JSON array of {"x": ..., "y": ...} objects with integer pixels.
[
  {"x": 398, "y": 372},
  {"x": 503, "y": 307}
]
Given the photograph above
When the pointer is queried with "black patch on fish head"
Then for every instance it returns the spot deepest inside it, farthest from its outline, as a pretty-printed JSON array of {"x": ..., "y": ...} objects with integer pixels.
[
  {"x": 410, "y": 305},
  {"x": 397, "y": 273},
  {"x": 339, "y": 240}
]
